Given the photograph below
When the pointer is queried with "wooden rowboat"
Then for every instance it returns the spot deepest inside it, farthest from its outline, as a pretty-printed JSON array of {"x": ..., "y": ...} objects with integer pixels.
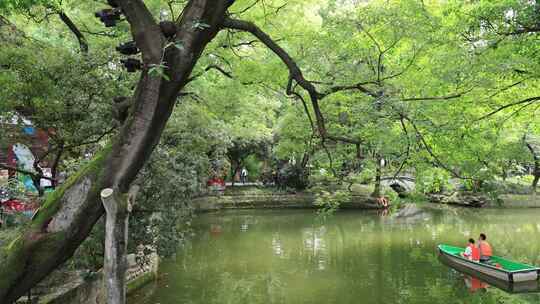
[
  {"x": 510, "y": 287},
  {"x": 501, "y": 269}
]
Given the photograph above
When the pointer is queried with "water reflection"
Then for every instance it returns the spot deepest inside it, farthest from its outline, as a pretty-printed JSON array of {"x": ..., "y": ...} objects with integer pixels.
[
  {"x": 353, "y": 257},
  {"x": 474, "y": 284},
  {"x": 315, "y": 246},
  {"x": 277, "y": 246}
]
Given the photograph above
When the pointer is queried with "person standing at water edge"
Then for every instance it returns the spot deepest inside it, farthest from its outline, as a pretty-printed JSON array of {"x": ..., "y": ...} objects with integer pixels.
[
  {"x": 471, "y": 252},
  {"x": 485, "y": 249}
]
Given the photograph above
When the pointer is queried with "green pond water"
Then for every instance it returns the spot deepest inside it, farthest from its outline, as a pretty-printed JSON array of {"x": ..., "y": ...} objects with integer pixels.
[{"x": 285, "y": 256}]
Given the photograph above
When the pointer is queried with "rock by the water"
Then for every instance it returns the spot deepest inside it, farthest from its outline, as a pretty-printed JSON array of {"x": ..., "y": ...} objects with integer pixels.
[
  {"x": 399, "y": 189},
  {"x": 409, "y": 210},
  {"x": 466, "y": 199}
]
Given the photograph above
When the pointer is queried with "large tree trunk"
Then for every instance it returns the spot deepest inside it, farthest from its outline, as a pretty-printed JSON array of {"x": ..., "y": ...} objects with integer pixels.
[{"x": 68, "y": 215}]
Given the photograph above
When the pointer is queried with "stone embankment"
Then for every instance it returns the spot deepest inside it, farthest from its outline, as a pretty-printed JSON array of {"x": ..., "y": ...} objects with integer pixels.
[
  {"x": 258, "y": 197},
  {"x": 520, "y": 200},
  {"x": 274, "y": 200},
  {"x": 69, "y": 287},
  {"x": 469, "y": 199}
]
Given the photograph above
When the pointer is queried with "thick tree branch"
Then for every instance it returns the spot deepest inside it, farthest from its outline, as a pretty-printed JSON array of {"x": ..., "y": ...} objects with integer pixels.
[
  {"x": 294, "y": 70},
  {"x": 83, "y": 44},
  {"x": 145, "y": 30}
]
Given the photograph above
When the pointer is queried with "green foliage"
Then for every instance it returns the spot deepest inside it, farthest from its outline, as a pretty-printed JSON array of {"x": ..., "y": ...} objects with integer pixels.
[
  {"x": 89, "y": 255},
  {"x": 322, "y": 178},
  {"x": 436, "y": 73},
  {"x": 434, "y": 180},
  {"x": 329, "y": 202},
  {"x": 18, "y": 5},
  {"x": 177, "y": 170},
  {"x": 66, "y": 95},
  {"x": 293, "y": 176}
]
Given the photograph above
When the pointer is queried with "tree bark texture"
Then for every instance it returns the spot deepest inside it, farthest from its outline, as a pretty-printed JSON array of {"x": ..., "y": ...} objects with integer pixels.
[
  {"x": 66, "y": 218},
  {"x": 116, "y": 239}
]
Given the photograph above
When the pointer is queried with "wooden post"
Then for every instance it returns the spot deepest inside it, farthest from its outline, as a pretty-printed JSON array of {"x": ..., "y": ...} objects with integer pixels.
[{"x": 116, "y": 237}]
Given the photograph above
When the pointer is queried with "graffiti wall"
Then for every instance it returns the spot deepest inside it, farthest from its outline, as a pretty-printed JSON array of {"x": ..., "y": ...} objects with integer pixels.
[{"x": 22, "y": 148}]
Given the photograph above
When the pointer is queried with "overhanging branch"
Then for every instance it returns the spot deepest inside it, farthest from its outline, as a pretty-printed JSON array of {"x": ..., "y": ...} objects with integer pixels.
[
  {"x": 212, "y": 67},
  {"x": 527, "y": 102},
  {"x": 430, "y": 150},
  {"x": 294, "y": 73},
  {"x": 83, "y": 44},
  {"x": 447, "y": 97}
]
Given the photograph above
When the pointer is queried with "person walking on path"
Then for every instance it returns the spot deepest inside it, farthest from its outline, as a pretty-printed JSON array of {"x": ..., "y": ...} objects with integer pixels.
[{"x": 243, "y": 175}]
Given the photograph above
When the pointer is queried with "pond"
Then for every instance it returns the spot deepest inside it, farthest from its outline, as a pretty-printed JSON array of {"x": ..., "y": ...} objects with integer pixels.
[{"x": 295, "y": 256}]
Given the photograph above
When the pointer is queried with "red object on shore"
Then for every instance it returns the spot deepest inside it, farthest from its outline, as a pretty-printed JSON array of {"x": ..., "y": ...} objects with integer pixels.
[
  {"x": 17, "y": 206},
  {"x": 216, "y": 182}
]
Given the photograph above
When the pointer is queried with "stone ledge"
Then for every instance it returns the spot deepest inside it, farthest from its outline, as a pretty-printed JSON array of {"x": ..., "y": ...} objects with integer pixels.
[
  {"x": 91, "y": 290},
  {"x": 270, "y": 201}
]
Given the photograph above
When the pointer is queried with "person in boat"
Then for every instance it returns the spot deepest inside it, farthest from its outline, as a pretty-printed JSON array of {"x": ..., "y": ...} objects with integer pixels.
[
  {"x": 485, "y": 249},
  {"x": 471, "y": 252}
]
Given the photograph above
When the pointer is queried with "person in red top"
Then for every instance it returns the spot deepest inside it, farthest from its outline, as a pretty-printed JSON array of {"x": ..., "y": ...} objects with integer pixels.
[
  {"x": 471, "y": 252},
  {"x": 485, "y": 249}
]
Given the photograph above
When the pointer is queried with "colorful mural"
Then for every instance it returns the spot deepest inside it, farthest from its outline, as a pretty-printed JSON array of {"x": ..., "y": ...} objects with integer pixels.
[{"x": 20, "y": 145}]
